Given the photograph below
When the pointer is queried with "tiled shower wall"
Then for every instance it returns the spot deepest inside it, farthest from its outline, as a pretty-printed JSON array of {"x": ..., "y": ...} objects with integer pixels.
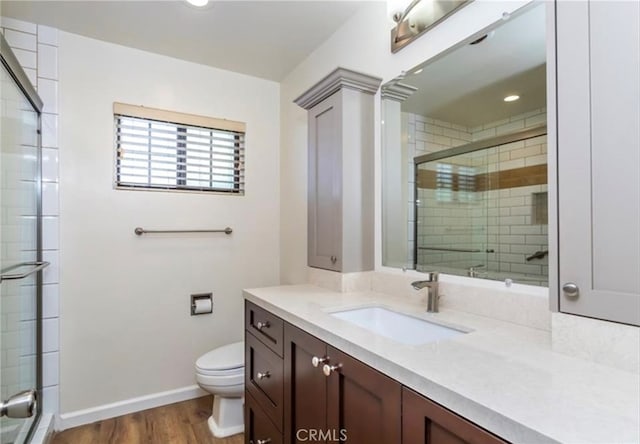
[
  {"x": 36, "y": 48},
  {"x": 426, "y": 135},
  {"x": 501, "y": 219}
]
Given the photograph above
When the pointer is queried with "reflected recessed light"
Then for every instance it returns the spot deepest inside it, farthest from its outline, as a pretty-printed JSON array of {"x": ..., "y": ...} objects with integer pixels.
[
  {"x": 418, "y": 71},
  {"x": 511, "y": 98},
  {"x": 198, "y": 3}
]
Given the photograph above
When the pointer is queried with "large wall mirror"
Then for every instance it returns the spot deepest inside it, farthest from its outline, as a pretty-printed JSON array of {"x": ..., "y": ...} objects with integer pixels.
[{"x": 464, "y": 166}]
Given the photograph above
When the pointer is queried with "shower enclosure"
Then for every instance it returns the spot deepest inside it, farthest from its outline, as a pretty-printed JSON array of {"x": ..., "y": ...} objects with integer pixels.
[
  {"x": 21, "y": 262},
  {"x": 481, "y": 209}
]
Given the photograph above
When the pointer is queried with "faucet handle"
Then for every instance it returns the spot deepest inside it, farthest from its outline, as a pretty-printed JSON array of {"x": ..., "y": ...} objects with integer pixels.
[{"x": 431, "y": 276}]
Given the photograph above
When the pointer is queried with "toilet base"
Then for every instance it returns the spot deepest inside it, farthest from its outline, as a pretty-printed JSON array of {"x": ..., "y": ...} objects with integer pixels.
[{"x": 227, "y": 417}]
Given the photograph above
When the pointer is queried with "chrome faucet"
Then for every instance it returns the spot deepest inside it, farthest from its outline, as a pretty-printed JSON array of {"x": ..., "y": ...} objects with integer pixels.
[{"x": 431, "y": 283}]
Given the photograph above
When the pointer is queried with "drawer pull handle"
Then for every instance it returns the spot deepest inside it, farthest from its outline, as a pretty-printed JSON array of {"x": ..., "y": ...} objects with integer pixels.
[
  {"x": 315, "y": 361},
  {"x": 328, "y": 369},
  {"x": 261, "y": 325},
  {"x": 263, "y": 441},
  {"x": 261, "y": 375}
]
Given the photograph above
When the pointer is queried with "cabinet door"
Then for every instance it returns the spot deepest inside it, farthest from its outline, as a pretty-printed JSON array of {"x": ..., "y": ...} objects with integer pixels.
[
  {"x": 325, "y": 185},
  {"x": 425, "y": 422},
  {"x": 305, "y": 389},
  {"x": 363, "y": 405},
  {"x": 598, "y": 103}
]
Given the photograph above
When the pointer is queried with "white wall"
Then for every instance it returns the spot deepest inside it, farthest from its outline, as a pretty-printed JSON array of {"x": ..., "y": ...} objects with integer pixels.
[
  {"x": 362, "y": 44},
  {"x": 126, "y": 329}
]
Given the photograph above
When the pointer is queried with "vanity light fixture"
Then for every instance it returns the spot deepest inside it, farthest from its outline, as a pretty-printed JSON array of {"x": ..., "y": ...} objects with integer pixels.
[
  {"x": 198, "y": 3},
  {"x": 512, "y": 98},
  {"x": 430, "y": 14}
]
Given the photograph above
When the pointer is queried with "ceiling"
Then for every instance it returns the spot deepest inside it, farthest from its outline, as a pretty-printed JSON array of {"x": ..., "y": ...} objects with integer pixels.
[
  {"x": 467, "y": 85},
  {"x": 265, "y": 39}
]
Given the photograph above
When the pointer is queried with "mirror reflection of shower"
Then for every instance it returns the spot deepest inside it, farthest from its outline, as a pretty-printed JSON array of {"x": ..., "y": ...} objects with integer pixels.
[
  {"x": 481, "y": 209},
  {"x": 449, "y": 205}
]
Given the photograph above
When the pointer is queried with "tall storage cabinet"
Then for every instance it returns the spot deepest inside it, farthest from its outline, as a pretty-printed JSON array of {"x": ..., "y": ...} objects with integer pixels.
[
  {"x": 341, "y": 171},
  {"x": 598, "y": 112}
]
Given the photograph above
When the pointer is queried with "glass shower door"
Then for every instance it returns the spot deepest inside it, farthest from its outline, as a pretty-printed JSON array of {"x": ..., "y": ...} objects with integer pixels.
[{"x": 20, "y": 262}]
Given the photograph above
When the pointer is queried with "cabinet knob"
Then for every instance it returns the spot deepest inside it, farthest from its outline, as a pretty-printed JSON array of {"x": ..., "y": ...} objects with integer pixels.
[
  {"x": 328, "y": 369},
  {"x": 571, "y": 290},
  {"x": 261, "y": 325},
  {"x": 315, "y": 361},
  {"x": 261, "y": 375},
  {"x": 334, "y": 259}
]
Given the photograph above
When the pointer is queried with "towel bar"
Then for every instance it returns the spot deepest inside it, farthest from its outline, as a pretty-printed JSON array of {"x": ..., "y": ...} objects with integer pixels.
[{"x": 140, "y": 231}]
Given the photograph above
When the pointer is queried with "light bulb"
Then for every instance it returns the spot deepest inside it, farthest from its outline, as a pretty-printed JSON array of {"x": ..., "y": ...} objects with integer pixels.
[{"x": 198, "y": 3}]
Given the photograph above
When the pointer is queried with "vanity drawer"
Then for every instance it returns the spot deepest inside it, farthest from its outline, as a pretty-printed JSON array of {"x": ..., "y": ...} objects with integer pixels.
[
  {"x": 258, "y": 428},
  {"x": 267, "y": 327},
  {"x": 264, "y": 378}
]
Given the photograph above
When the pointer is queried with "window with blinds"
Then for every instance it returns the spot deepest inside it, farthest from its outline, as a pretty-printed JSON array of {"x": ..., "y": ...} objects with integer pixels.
[
  {"x": 455, "y": 183},
  {"x": 158, "y": 149}
]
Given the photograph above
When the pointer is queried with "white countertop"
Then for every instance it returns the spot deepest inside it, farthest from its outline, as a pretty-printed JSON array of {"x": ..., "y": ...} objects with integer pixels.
[{"x": 501, "y": 376}]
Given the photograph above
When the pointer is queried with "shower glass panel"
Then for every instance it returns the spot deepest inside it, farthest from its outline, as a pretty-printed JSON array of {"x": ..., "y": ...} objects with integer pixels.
[
  {"x": 20, "y": 287},
  {"x": 451, "y": 214},
  {"x": 481, "y": 210}
]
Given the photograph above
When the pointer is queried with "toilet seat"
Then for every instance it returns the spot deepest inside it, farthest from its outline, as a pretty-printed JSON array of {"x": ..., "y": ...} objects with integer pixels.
[
  {"x": 222, "y": 373},
  {"x": 225, "y": 360},
  {"x": 220, "y": 381}
]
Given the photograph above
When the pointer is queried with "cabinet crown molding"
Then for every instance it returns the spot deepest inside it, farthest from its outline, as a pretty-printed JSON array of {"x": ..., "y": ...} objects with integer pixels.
[
  {"x": 397, "y": 91},
  {"x": 336, "y": 80}
]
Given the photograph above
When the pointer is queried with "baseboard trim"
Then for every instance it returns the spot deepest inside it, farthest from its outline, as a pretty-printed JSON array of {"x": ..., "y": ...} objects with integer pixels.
[{"x": 106, "y": 411}]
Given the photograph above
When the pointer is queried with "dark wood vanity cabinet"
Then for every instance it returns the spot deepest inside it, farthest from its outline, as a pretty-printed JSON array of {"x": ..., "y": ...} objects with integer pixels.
[
  {"x": 425, "y": 422},
  {"x": 336, "y": 397},
  {"x": 301, "y": 390},
  {"x": 305, "y": 388},
  {"x": 258, "y": 429},
  {"x": 264, "y": 376},
  {"x": 362, "y": 403}
]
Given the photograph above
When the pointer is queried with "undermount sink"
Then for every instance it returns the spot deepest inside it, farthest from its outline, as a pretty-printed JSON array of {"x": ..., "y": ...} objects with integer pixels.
[{"x": 397, "y": 326}]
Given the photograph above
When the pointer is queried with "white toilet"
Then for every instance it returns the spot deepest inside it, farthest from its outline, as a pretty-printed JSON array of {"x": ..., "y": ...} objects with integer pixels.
[{"x": 221, "y": 373}]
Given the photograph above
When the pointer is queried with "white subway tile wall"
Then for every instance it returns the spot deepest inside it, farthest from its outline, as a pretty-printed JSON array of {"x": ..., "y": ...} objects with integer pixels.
[
  {"x": 20, "y": 40},
  {"x": 36, "y": 49},
  {"x": 503, "y": 220}
]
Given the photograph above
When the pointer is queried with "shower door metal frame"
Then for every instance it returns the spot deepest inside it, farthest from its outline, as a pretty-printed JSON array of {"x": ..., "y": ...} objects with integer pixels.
[
  {"x": 483, "y": 144},
  {"x": 10, "y": 62}
]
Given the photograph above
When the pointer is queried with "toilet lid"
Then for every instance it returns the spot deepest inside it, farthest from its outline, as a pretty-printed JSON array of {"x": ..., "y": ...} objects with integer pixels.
[{"x": 226, "y": 357}]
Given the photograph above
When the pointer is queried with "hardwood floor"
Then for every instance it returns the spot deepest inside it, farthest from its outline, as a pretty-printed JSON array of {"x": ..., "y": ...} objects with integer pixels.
[{"x": 183, "y": 422}]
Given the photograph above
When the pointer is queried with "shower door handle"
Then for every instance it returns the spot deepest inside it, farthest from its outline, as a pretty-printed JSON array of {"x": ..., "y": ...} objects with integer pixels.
[
  {"x": 20, "y": 405},
  {"x": 37, "y": 266}
]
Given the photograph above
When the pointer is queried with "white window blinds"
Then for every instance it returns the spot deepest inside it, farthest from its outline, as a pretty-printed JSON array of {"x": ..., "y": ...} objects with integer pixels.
[{"x": 158, "y": 149}]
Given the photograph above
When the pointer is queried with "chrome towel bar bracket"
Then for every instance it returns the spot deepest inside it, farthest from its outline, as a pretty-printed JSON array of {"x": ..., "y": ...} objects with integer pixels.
[
  {"x": 140, "y": 231},
  {"x": 37, "y": 266}
]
